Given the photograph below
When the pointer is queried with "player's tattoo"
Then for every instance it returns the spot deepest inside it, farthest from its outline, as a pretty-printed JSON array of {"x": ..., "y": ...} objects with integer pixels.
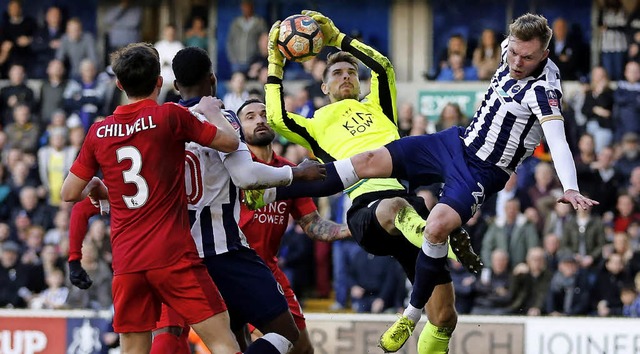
[{"x": 323, "y": 230}]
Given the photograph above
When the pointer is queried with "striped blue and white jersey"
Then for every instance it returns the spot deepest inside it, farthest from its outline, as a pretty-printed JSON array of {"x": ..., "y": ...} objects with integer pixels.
[
  {"x": 506, "y": 128},
  {"x": 214, "y": 203}
]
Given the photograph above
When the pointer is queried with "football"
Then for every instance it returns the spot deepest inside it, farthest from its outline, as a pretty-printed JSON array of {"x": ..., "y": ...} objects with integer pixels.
[{"x": 300, "y": 38}]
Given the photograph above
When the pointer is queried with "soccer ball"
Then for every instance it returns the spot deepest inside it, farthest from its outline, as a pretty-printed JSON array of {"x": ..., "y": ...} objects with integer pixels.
[{"x": 300, "y": 38}]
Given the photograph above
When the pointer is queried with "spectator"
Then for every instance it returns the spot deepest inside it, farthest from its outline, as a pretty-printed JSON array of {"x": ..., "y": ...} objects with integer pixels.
[
  {"x": 23, "y": 133},
  {"x": 464, "y": 287},
  {"x": 405, "y": 117},
  {"x": 625, "y": 213},
  {"x": 551, "y": 244},
  {"x": 315, "y": 88},
  {"x": 76, "y": 46},
  {"x": 598, "y": 103},
  {"x": 237, "y": 94},
  {"x": 566, "y": 51},
  {"x": 629, "y": 158},
  {"x": 242, "y": 40},
  {"x": 98, "y": 235},
  {"x": 556, "y": 220},
  {"x": 33, "y": 245},
  {"x": 376, "y": 280},
  {"x": 18, "y": 282},
  {"x": 54, "y": 297},
  {"x": 626, "y": 102},
  {"x": 569, "y": 289},
  {"x": 493, "y": 289},
  {"x": 613, "y": 42},
  {"x": 6, "y": 195},
  {"x": 196, "y": 35},
  {"x": 259, "y": 61},
  {"x": 15, "y": 93},
  {"x": 530, "y": 284},
  {"x": 51, "y": 259},
  {"x": 54, "y": 162},
  {"x": 630, "y": 298},
  {"x": 514, "y": 234},
  {"x": 456, "y": 70},
  {"x": 167, "y": 48},
  {"x": 60, "y": 230},
  {"x": 295, "y": 258},
  {"x": 476, "y": 228},
  {"x": 98, "y": 296},
  {"x": 46, "y": 42},
  {"x": 608, "y": 285},
  {"x": 38, "y": 213},
  {"x": 451, "y": 115},
  {"x": 52, "y": 91},
  {"x": 456, "y": 45},
  {"x": 606, "y": 178},
  {"x": 123, "y": 23},
  {"x": 85, "y": 96},
  {"x": 18, "y": 30},
  {"x": 584, "y": 237},
  {"x": 486, "y": 56}
]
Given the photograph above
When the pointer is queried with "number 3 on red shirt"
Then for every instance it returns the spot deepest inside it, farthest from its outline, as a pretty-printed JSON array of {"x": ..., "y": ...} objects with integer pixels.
[{"x": 132, "y": 175}]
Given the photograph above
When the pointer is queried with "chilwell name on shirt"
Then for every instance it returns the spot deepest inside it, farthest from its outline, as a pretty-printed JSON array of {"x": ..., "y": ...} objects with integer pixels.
[{"x": 121, "y": 130}]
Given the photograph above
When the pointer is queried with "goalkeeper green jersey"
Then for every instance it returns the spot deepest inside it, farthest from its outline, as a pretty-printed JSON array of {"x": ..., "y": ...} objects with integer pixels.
[{"x": 347, "y": 127}]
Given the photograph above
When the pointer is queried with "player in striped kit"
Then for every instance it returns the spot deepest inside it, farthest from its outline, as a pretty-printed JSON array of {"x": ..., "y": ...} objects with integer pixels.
[
  {"x": 247, "y": 285},
  {"x": 521, "y": 104}
]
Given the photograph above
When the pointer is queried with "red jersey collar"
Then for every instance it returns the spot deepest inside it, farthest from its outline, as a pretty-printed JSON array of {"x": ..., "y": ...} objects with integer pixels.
[
  {"x": 135, "y": 107},
  {"x": 274, "y": 158}
]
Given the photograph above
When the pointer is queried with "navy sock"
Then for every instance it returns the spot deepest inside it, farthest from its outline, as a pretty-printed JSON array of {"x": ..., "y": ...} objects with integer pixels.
[
  {"x": 429, "y": 273},
  {"x": 331, "y": 185},
  {"x": 261, "y": 346}
]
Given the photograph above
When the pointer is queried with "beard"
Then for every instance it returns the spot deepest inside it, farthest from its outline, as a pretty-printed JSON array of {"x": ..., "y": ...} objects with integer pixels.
[{"x": 261, "y": 139}]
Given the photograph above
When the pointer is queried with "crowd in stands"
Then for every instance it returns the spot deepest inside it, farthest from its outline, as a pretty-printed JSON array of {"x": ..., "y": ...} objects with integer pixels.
[{"x": 540, "y": 257}]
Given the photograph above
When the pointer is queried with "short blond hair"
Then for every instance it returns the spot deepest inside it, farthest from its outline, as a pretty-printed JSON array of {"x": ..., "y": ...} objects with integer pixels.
[{"x": 530, "y": 26}]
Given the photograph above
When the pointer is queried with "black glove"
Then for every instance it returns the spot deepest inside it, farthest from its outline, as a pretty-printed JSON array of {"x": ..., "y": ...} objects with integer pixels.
[{"x": 79, "y": 276}]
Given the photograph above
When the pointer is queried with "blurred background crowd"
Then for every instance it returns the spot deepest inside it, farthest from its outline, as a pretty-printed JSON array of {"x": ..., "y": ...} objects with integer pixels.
[{"x": 541, "y": 258}]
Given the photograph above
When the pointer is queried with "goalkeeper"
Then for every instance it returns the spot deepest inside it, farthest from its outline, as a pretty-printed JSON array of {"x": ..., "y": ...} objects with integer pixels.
[{"x": 383, "y": 211}]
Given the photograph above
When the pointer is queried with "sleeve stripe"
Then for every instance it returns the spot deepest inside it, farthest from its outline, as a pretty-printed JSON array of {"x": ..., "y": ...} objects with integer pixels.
[{"x": 548, "y": 118}]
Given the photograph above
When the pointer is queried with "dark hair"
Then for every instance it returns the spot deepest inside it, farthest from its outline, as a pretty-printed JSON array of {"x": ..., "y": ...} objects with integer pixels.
[
  {"x": 339, "y": 57},
  {"x": 246, "y": 103},
  {"x": 137, "y": 67},
  {"x": 191, "y": 65},
  {"x": 530, "y": 26}
]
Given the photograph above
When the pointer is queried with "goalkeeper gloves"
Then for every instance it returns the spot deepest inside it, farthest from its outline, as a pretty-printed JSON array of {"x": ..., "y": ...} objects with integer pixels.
[
  {"x": 78, "y": 275},
  {"x": 332, "y": 35},
  {"x": 275, "y": 57}
]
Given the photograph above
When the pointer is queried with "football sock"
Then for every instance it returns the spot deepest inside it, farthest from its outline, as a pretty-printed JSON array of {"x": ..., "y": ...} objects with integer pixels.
[
  {"x": 184, "y": 340},
  {"x": 431, "y": 270},
  {"x": 434, "y": 340},
  {"x": 340, "y": 175},
  {"x": 413, "y": 313},
  {"x": 167, "y": 343},
  {"x": 410, "y": 224},
  {"x": 270, "y": 343}
]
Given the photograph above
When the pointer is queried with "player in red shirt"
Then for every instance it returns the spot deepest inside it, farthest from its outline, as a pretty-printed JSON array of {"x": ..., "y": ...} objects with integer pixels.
[
  {"x": 140, "y": 150},
  {"x": 265, "y": 227}
]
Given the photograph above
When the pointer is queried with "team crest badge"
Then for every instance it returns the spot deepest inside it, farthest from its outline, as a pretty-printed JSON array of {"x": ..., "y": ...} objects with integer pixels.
[
  {"x": 552, "y": 97},
  {"x": 515, "y": 88}
]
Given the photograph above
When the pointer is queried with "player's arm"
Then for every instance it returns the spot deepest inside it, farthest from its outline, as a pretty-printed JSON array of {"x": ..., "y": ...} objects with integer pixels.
[
  {"x": 293, "y": 127},
  {"x": 565, "y": 166},
  {"x": 321, "y": 229},
  {"x": 75, "y": 189},
  {"x": 226, "y": 139},
  {"x": 78, "y": 226},
  {"x": 248, "y": 174},
  {"x": 383, "y": 77}
]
